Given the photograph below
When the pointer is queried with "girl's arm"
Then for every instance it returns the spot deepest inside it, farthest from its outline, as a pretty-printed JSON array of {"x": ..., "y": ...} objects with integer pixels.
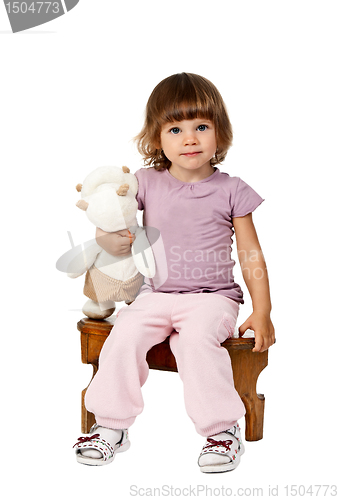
[{"x": 254, "y": 271}]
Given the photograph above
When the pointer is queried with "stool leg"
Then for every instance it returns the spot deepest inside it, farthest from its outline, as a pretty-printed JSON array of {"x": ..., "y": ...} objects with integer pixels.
[
  {"x": 247, "y": 367},
  {"x": 254, "y": 417},
  {"x": 87, "y": 418}
]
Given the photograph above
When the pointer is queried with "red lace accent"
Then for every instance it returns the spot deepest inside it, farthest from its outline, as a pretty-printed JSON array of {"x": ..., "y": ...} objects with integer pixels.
[
  {"x": 83, "y": 439},
  {"x": 226, "y": 444}
]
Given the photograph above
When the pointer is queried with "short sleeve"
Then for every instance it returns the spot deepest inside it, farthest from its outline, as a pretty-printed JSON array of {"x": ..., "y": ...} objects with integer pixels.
[
  {"x": 245, "y": 200},
  {"x": 141, "y": 188}
]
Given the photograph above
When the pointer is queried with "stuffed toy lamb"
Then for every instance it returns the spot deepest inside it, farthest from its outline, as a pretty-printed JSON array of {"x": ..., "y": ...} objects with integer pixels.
[{"x": 108, "y": 195}]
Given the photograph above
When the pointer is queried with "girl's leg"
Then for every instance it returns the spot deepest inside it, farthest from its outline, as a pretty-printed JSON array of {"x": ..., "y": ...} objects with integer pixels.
[
  {"x": 203, "y": 321},
  {"x": 114, "y": 395}
]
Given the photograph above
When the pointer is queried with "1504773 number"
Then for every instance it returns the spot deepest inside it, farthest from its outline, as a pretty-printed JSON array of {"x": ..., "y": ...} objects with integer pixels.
[
  {"x": 312, "y": 490},
  {"x": 33, "y": 7}
]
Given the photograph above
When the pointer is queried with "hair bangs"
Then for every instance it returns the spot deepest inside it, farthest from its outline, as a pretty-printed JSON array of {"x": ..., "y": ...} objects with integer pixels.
[
  {"x": 186, "y": 109},
  {"x": 185, "y": 100}
]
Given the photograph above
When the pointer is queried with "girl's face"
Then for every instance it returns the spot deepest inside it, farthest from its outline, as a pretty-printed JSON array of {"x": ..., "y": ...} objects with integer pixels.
[{"x": 189, "y": 145}]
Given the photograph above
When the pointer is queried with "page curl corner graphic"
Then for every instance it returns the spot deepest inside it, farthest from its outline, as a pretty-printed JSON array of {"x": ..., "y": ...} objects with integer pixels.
[{"x": 27, "y": 14}]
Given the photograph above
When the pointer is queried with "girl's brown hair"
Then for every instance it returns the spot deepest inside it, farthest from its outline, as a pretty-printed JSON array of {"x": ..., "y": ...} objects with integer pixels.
[{"x": 183, "y": 96}]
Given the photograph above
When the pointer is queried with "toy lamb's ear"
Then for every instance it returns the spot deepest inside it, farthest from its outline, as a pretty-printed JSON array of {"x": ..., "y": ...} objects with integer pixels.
[
  {"x": 122, "y": 190},
  {"x": 78, "y": 187},
  {"x": 125, "y": 170},
  {"x": 82, "y": 204}
]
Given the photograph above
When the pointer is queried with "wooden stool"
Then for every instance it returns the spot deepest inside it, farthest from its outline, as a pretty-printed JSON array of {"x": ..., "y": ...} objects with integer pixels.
[{"x": 246, "y": 365}]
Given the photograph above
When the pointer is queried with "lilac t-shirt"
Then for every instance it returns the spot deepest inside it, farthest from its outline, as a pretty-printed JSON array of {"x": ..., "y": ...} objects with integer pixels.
[{"x": 193, "y": 253}]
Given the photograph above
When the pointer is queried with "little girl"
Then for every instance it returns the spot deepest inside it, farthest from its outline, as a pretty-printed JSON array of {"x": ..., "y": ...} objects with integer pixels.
[{"x": 193, "y": 297}]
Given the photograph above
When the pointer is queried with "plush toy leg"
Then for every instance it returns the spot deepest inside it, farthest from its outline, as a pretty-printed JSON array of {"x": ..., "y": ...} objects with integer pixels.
[{"x": 98, "y": 310}]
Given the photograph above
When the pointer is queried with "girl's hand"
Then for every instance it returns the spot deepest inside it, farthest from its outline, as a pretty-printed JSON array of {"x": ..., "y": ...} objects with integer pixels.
[
  {"x": 117, "y": 244},
  {"x": 263, "y": 328}
]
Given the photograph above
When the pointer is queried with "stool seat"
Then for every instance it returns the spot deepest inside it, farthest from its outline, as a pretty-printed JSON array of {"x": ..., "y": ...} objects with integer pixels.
[{"x": 246, "y": 365}]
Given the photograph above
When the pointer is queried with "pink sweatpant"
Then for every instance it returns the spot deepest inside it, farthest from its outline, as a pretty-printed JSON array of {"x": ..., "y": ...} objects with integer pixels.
[{"x": 198, "y": 324}]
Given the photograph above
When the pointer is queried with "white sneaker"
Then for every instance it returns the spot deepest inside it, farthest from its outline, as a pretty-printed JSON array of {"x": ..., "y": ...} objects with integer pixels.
[{"x": 222, "y": 451}]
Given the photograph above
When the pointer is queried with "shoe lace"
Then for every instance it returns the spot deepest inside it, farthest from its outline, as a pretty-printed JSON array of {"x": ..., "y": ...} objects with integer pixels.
[
  {"x": 212, "y": 442},
  {"x": 83, "y": 439}
]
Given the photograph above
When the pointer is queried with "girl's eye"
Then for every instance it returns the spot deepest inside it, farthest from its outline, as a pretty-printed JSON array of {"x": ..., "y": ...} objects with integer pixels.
[
  {"x": 201, "y": 128},
  {"x": 175, "y": 130}
]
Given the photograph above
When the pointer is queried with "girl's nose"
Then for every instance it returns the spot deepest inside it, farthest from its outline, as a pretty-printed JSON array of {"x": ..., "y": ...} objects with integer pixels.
[{"x": 190, "y": 140}]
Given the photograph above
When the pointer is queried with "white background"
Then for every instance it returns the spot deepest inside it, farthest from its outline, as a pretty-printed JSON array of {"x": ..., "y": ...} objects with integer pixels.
[{"x": 73, "y": 93}]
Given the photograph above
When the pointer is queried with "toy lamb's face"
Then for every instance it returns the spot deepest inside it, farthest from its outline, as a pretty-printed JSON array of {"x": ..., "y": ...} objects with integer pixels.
[{"x": 108, "y": 197}]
